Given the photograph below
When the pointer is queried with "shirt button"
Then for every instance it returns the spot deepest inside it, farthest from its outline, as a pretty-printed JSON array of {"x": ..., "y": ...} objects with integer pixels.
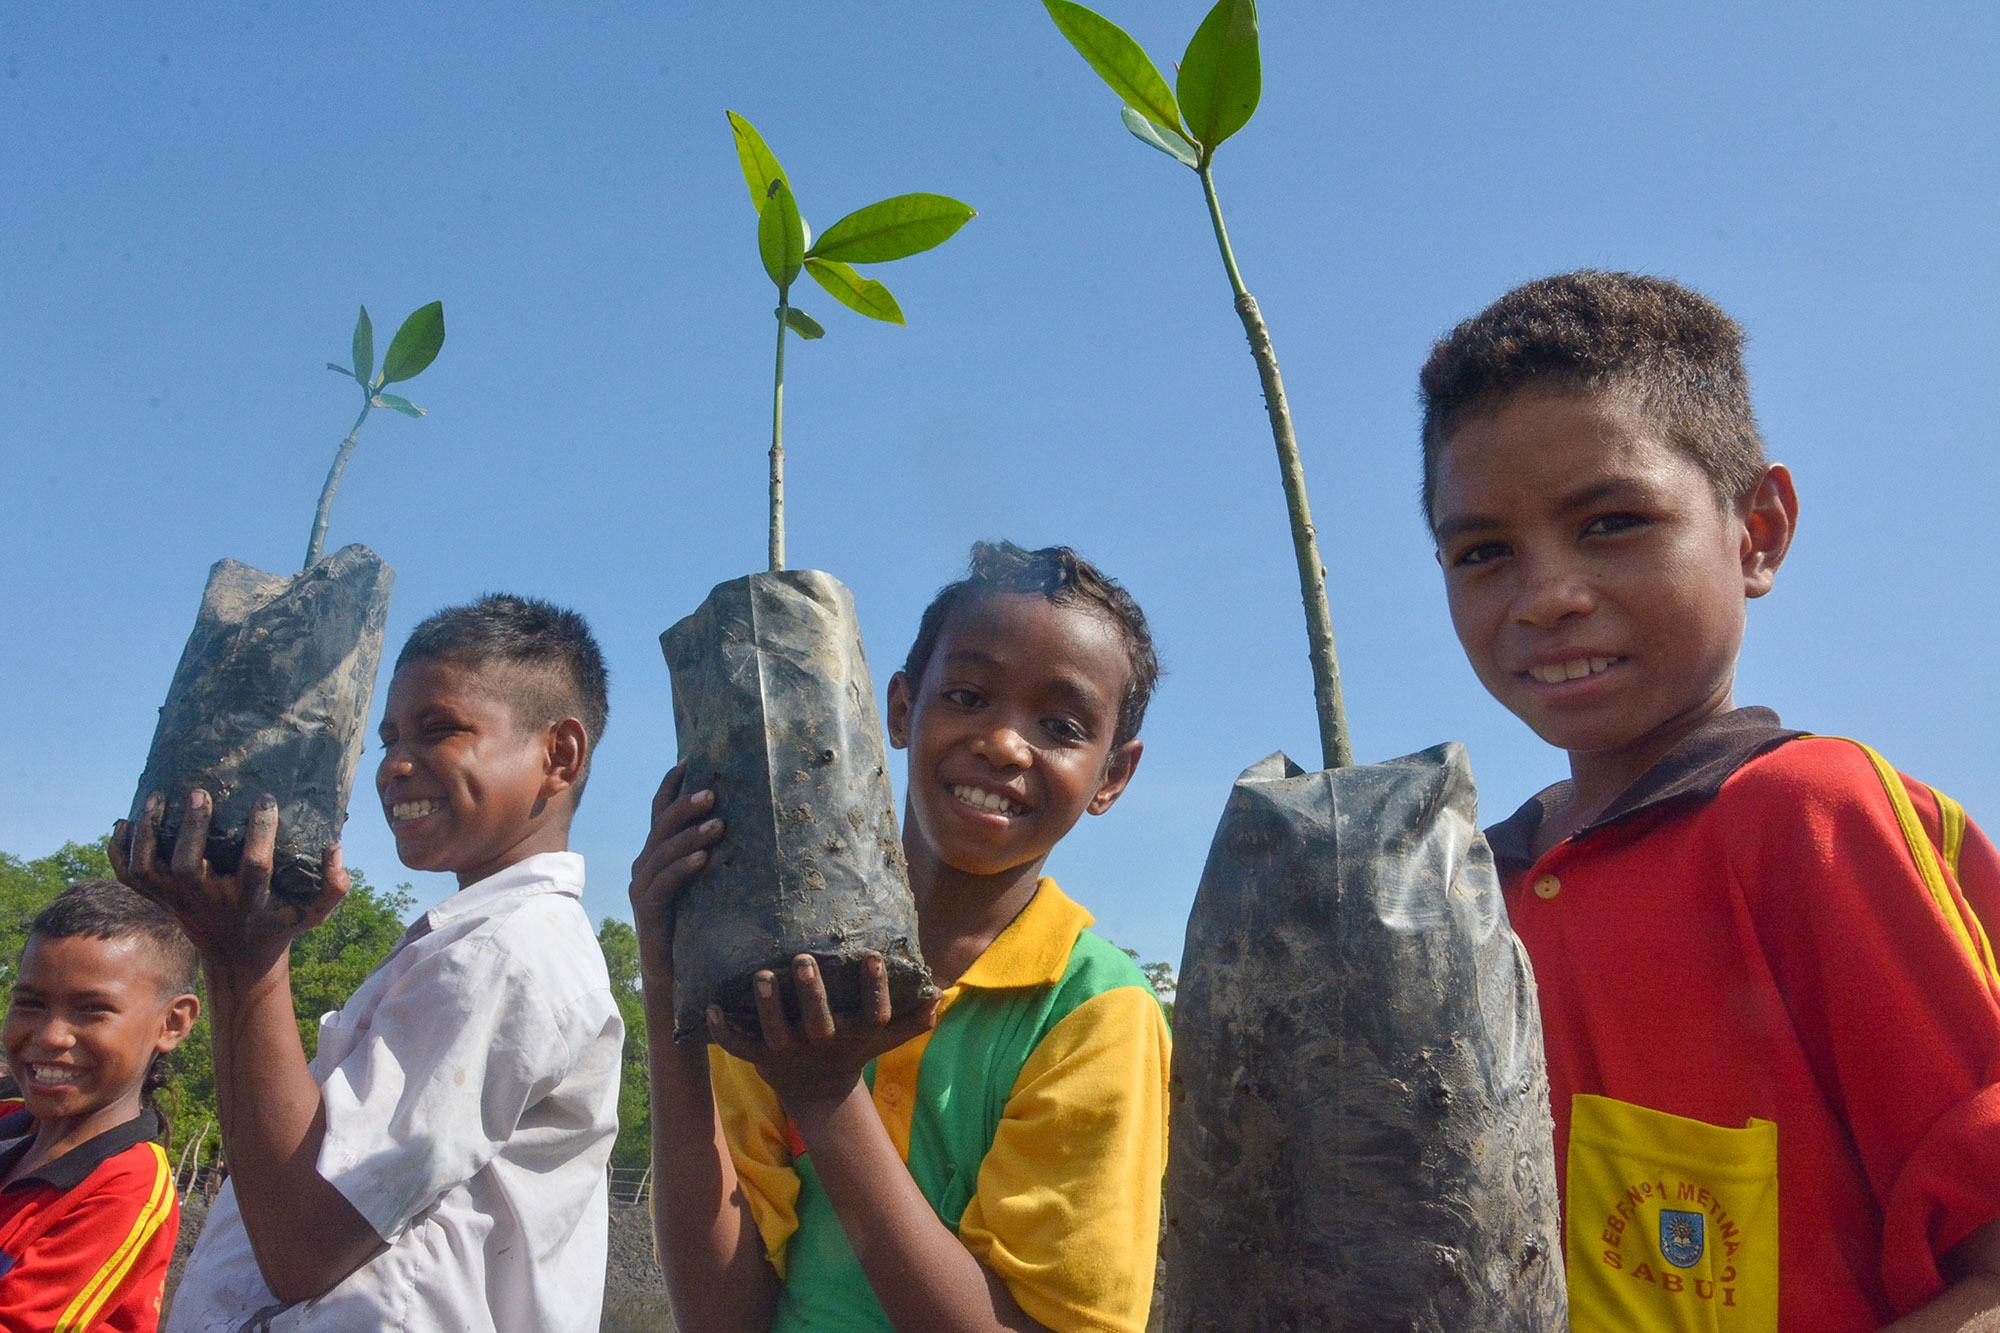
[{"x": 1548, "y": 886}]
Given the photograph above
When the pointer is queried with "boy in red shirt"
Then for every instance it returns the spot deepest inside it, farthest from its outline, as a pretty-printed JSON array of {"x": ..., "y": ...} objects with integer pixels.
[
  {"x": 88, "y": 1215},
  {"x": 1770, "y": 1004}
]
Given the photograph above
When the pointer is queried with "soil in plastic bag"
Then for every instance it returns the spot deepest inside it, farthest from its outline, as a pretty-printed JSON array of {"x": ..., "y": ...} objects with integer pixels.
[
  {"x": 1360, "y": 1110},
  {"x": 776, "y": 712},
  {"x": 271, "y": 696}
]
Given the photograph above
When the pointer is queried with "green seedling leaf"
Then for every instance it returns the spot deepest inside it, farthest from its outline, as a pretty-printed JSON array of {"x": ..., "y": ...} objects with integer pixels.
[
  {"x": 364, "y": 347},
  {"x": 760, "y": 164},
  {"x": 799, "y": 322},
  {"x": 1221, "y": 76},
  {"x": 415, "y": 345},
  {"x": 342, "y": 370},
  {"x": 395, "y": 404},
  {"x": 781, "y": 240},
  {"x": 893, "y": 229},
  {"x": 1174, "y": 146},
  {"x": 1119, "y": 61},
  {"x": 857, "y": 293}
]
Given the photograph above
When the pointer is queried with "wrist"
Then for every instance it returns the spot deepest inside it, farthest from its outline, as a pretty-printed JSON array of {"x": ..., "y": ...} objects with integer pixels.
[
  {"x": 236, "y": 973},
  {"x": 816, "y": 1111}
]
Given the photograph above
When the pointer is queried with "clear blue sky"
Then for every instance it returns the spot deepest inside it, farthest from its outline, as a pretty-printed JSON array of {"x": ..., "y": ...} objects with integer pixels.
[{"x": 197, "y": 197}]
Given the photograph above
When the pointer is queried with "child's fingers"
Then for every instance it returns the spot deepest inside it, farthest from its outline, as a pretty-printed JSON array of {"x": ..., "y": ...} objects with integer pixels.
[
  {"x": 192, "y": 840},
  {"x": 921, "y": 1019},
  {"x": 670, "y": 787},
  {"x": 116, "y": 849},
  {"x": 771, "y": 1012},
  {"x": 260, "y": 853},
  {"x": 875, "y": 990},
  {"x": 333, "y": 888},
  {"x": 663, "y": 869},
  {"x": 728, "y": 1038},
  {"x": 815, "y": 1015}
]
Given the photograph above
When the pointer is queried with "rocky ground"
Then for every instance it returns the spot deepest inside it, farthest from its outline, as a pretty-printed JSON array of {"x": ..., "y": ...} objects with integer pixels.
[{"x": 635, "y": 1300}]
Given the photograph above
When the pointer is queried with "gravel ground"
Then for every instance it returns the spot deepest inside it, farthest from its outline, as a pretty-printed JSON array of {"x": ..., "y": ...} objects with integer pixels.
[{"x": 635, "y": 1298}]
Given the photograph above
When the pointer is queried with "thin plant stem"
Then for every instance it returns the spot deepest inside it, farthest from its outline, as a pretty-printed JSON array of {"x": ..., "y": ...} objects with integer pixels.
[
  {"x": 318, "y": 540},
  {"x": 778, "y": 440},
  {"x": 1336, "y": 750}
]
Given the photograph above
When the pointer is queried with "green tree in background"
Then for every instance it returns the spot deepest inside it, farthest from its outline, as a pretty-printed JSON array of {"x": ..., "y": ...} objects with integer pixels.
[{"x": 634, "y": 1145}]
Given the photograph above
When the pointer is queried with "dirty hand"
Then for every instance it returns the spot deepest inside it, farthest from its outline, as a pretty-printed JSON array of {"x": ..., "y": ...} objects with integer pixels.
[
  {"x": 821, "y": 1059},
  {"x": 231, "y": 918},
  {"x": 676, "y": 850}
]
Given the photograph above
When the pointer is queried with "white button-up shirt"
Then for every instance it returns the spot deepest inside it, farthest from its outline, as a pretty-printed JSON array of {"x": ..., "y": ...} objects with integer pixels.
[{"x": 471, "y": 1091}]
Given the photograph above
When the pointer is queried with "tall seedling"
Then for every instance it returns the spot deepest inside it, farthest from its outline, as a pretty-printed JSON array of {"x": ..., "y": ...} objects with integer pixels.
[
  {"x": 1348, "y": 977},
  {"x": 1219, "y": 83},
  {"x": 411, "y": 351},
  {"x": 773, "y": 703},
  {"x": 894, "y": 228},
  {"x": 272, "y": 690}
]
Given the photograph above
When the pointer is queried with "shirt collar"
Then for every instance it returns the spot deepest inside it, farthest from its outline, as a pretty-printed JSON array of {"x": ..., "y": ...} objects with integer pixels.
[
  {"x": 1035, "y": 947},
  {"x": 544, "y": 872},
  {"x": 1695, "y": 768},
  {"x": 17, "y": 1136}
]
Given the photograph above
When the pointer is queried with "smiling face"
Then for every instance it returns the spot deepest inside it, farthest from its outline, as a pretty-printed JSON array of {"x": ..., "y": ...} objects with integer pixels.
[
  {"x": 1596, "y": 580},
  {"x": 1010, "y": 732},
  {"x": 86, "y": 1018},
  {"x": 466, "y": 785}
]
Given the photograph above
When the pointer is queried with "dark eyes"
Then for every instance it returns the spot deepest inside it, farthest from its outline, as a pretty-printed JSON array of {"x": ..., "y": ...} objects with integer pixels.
[
  {"x": 1605, "y": 524},
  {"x": 1480, "y": 554}
]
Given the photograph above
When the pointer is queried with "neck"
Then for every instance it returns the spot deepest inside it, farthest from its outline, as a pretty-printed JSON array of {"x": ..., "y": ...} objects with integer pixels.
[
  {"x": 55, "y": 1137},
  {"x": 960, "y": 914},
  {"x": 1599, "y": 778}
]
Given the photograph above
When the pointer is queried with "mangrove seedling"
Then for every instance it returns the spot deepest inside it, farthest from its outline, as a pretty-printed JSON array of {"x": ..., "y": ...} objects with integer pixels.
[
  {"x": 894, "y": 228},
  {"x": 1215, "y": 92},
  {"x": 413, "y": 348}
]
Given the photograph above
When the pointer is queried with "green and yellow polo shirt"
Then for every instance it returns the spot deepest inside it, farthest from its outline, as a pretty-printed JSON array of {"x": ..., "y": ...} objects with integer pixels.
[{"x": 1033, "y": 1117}]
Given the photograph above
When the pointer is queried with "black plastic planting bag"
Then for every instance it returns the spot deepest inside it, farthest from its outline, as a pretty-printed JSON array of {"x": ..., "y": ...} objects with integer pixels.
[
  {"x": 271, "y": 696},
  {"x": 776, "y": 712},
  {"x": 1360, "y": 1110}
]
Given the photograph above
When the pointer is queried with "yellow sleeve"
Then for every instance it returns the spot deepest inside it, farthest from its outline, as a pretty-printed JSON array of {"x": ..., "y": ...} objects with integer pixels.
[
  {"x": 1067, "y": 1209},
  {"x": 753, "y": 1123}
]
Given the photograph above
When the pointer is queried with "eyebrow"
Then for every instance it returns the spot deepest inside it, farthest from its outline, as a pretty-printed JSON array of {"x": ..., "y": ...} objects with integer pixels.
[{"x": 1460, "y": 524}]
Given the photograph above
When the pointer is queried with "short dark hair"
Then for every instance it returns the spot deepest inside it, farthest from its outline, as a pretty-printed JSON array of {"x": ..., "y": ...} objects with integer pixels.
[
  {"x": 1065, "y": 578},
  {"x": 104, "y": 909},
  {"x": 564, "y": 672},
  {"x": 1592, "y": 332}
]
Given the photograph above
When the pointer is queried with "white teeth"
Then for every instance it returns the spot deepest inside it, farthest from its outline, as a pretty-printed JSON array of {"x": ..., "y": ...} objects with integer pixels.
[
  {"x": 52, "y": 1073},
  {"x": 403, "y": 810},
  {"x": 1558, "y": 672},
  {"x": 980, "y": 799}
]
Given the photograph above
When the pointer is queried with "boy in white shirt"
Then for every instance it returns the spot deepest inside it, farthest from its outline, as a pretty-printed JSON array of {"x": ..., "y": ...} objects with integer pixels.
[{"x": 441, "y": 1162}]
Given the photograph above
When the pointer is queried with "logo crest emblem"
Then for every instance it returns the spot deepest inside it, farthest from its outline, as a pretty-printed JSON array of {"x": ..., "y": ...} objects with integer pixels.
[{"x": 1683, "y": 1236}]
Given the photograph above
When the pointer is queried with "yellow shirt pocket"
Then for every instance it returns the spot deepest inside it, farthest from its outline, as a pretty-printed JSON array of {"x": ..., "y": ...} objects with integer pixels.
[{"x": 1672, "y": 1223}]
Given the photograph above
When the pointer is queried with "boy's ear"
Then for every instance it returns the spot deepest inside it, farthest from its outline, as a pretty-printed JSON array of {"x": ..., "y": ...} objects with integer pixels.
[
  {"x": 899, "y": 711},
  {"x": 177, "y": 1022},
  {"x": 568, "y": 745},
  {"x": 1770, "y": 518},
  {"x": 1118, "y": 771}
]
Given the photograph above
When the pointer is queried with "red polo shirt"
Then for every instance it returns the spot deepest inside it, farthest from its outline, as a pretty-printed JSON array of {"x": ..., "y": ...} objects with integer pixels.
[
  {"x": 1773, "y": 1037},
  {"x": 85, "y": 1240}
]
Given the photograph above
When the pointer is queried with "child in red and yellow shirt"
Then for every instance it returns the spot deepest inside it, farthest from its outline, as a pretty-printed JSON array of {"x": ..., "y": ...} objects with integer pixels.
[
  {"x": 1770, "y": 1005},
  {"x": 88, "y": 1215}
]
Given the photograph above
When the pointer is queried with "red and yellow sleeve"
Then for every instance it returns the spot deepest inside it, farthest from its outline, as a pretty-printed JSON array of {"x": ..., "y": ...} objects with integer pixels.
[
  {"x": 753, "y": 1123},
  {"x": 1067, "y": 1209},
  {"x": 101, "y": 1265},
  {"x": 1878, "y": 946}
]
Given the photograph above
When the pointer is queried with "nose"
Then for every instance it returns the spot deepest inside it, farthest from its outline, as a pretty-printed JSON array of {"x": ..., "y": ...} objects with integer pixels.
[
  {"x": 1002, "y": 744},
  {"x": 395, "y": 764},
  {"x": 1552, "y": 590}
]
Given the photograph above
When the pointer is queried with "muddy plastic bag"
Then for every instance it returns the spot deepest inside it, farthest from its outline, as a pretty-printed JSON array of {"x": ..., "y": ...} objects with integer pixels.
[
  {"x": 775, "y": 710},
  {"x": 271, "y": 695},
  {"x": 1360, "y": 1111}
]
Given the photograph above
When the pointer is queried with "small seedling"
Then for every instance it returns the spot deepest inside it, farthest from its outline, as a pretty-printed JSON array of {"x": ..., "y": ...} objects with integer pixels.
[
  {"x": 1215, "y": 93},
  {"x": 894, "y": 228},
  {"x": 413, "y": 348}
]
